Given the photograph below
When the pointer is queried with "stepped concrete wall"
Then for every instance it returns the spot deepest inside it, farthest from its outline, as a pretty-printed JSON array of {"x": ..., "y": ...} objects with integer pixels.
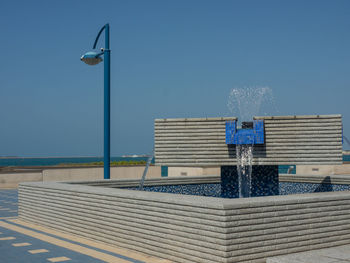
[
  {"x": 300, "y": 140},
  {"x": 190, "y": 228}
]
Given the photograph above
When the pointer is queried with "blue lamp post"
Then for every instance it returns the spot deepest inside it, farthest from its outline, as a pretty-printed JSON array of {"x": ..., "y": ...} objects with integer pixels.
[{"x": 93, "y": 58}]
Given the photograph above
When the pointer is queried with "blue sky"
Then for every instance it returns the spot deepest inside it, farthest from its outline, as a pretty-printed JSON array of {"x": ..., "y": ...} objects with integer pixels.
[{"x": 170, "y": 59}]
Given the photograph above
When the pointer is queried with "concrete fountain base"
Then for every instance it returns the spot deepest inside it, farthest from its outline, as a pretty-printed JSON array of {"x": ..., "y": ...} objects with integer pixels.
[{"x": 190, "y": 228}]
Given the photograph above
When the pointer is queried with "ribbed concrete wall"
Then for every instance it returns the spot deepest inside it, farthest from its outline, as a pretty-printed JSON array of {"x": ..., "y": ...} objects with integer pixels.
[
  {"x": 312, "y": 139},
  {"x": 190, "y": 228}
]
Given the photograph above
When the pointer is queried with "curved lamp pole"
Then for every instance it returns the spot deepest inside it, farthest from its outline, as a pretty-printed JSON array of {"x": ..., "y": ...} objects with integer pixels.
[{"x": 93, "y": 58}]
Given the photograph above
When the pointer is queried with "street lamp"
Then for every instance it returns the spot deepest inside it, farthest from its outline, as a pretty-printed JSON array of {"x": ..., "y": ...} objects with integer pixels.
[{"x": 93, "y": 58}]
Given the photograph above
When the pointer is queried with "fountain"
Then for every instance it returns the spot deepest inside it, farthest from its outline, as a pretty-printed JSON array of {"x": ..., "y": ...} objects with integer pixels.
[
  {"x": 247, "y": 102},
  {"x": 244, "y": 155},
  {"x": 187, "y": 228},
  {"x": 251, "y": 101}
]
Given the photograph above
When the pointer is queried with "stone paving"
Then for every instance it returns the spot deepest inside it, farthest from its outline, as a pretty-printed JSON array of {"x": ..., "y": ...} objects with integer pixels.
[{"x": 340, "y": 254}]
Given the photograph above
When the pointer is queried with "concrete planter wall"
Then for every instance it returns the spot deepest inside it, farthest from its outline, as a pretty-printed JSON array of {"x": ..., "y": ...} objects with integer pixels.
[
  {"x": 12, "y": 179},
  {"x": 191, "y": 228}
]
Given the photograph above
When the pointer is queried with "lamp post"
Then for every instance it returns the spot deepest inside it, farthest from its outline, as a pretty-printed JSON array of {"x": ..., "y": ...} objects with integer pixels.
[{"x": 93, "y": 58}]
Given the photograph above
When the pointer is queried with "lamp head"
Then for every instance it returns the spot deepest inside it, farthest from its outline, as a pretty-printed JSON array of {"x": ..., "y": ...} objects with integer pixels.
[{"x": 91, "y": 58}]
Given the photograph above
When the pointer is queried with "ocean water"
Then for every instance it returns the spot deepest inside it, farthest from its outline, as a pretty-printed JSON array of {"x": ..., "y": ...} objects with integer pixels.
[
  {"x": 67, "y": 160},
  {"x": 60, "y": 160}
]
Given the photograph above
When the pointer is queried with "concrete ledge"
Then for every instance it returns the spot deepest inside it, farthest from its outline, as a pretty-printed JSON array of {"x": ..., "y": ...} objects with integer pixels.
[
  {"x": 196, "y": 119},
  {"x": 343, "y": 169},
  {"x": 190, "y": 228},
  {"x": 11, "y": 180},
  {"x": 212, "y": 179},
  {"x": 317, "y": 179},
  {"x": 208, "y": 179},
  {"x": 297, "y": 117}
]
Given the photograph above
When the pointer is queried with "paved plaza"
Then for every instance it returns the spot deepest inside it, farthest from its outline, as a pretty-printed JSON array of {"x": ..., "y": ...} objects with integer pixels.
[{"x": 339, "y": 254}]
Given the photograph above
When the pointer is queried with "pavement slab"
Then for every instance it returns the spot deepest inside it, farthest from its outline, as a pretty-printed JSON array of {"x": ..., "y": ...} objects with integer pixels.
[{"x": 340, "y": 254}]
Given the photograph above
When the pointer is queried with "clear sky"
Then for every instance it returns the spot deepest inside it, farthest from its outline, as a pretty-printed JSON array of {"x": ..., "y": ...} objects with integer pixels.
[{"x": 170, "y": 59}]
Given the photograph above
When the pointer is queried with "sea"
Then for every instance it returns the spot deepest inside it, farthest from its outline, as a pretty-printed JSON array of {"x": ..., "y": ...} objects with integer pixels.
[{"x": 51, "y": 161}]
